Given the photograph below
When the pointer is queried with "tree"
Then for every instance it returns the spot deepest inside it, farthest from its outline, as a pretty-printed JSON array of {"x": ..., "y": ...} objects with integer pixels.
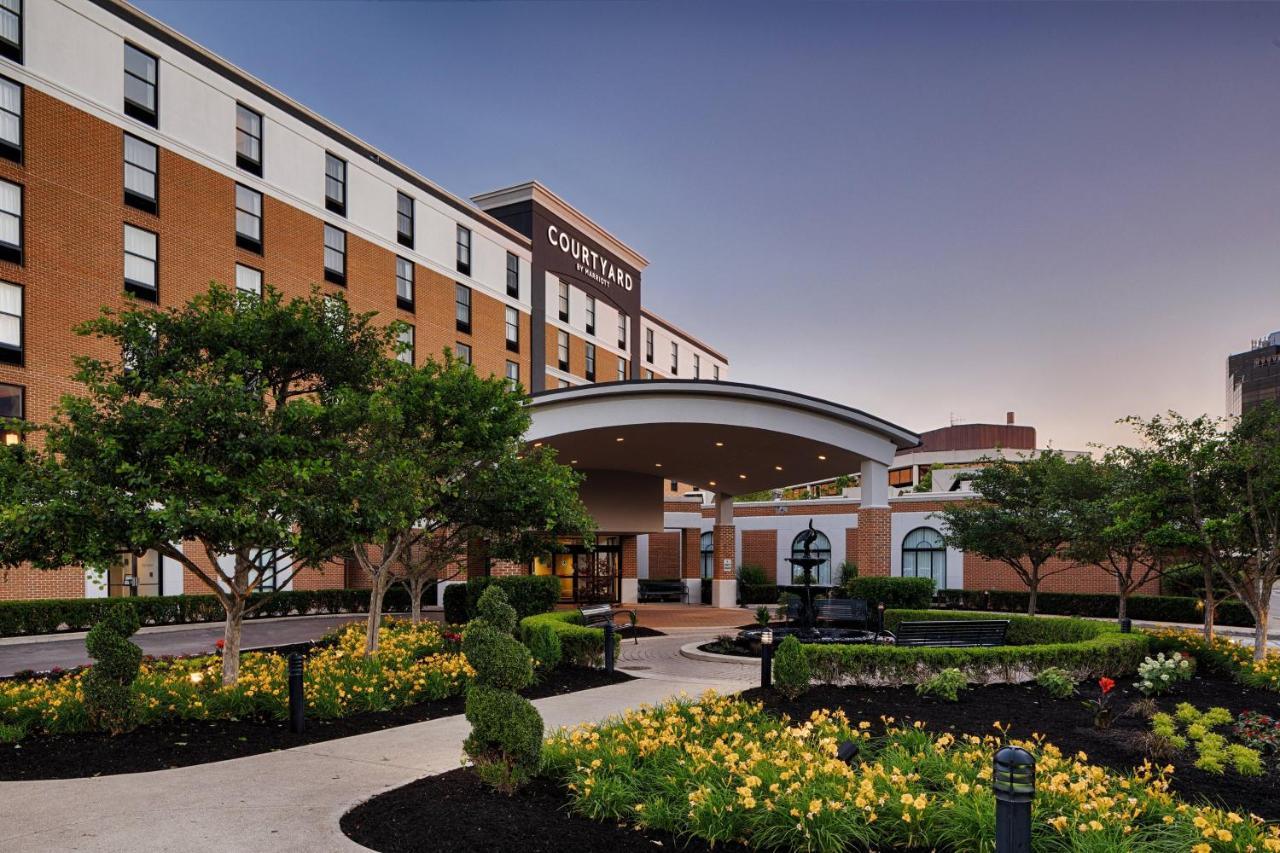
[
  {"x": 225, "y": 425},
  {"x": 440, "y": 462},
  {"x": 1023, "y": 517}
]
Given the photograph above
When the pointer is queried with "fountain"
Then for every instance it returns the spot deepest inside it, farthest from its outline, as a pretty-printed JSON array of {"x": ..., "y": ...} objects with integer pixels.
[{"x": 807, "y": 563}]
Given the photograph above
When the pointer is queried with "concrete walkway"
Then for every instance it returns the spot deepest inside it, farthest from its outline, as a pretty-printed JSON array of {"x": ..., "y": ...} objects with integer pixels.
[{"x": 293, "y": 800}]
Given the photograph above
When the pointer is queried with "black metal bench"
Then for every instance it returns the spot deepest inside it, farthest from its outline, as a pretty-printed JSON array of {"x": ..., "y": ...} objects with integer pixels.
[
  {"x": 841, "y": 610},
  {"x": 599, "y": 615},
  {"x": 959, "y": 632},
  {"x": 652, "y": 589}
]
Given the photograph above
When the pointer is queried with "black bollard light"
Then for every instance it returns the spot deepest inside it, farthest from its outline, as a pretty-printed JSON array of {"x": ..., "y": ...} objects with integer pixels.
[
  {"x": 1126, "y": 626},
  {"x": 1014, "y": 785},
  {"x": 608, "y": 647},
  {"x": 766, "y": 659},
  {"x": 880, "y": 611},
  {"x": 297, "y": 699}
]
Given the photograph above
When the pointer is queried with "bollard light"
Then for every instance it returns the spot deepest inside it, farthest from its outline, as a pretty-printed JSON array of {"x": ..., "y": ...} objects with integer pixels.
[
  {"x": 766, "y": 637},
  {"x": 847, "y": 752},
  {"x": 297, "y": 697},
  {"x": 608, "y": 647},
  {"x": 766, "y": 659},
  {"x": 880, "y": 611},
  {"x": 1013, "y": 782},
  {"x": 1126, "y": 626}
]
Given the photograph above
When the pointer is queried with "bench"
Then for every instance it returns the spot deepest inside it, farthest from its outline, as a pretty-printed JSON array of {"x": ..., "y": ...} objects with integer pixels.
[
  {"x": 841, "y": 610},
  {"x": 662, "y": 590},
  {"x": 954, "y": 633},
  {"x": 599, "y": 615}
]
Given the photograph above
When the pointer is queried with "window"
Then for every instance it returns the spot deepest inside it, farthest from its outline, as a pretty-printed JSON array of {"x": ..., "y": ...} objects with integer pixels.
[
  {"x": 591, "y": 315},
  {"x": 675, "y": 487},
  {"x": 622, "y": 370},
  {"x": 10, "y": 118},
  {"x": 249, "y": 219},
  {"x": 11, "y": 406},
  {"x": 463, "y": 352},
  {"x": 513, "y": 276},
  {"x": 900, "y": 478},
  {"x": 10, "y": 222},
  {"x": 648, "y": 345},
  {"x": 11, "y": 29},
  {"x": 335, "y": 255},
  {"x": 622, "y": 331},
  {"x": 697, "y": 366},
  {"x": 562, "y": 350},
  {"x": 924, "y": 555},
  {"x": 462, "y": 309},
  {"x": 648, "y": 374},
  {"x": 821, "y": 547},
  {"x": 140, "y": 253},
  {"x": 335, "y": 184},
  {"x": 464, "y": 250},
  {"x": 249, "y": 140},
  {"x": 404, "y": 219},
  {"x": 715, "y": 372},
  {"x": 141, "y": 79},
  {"x": 406, "y": 346},
  {"x": 563, "y": 297},
  {"x": 675, "y": 358},
  {"x": 513, "y": 329},
  {"x": 404, "y": 283},
  {"x": 248, "y": 280},
  {"x": 141, "y": 186},
  {"x": 513, "y": 375},
  {"x": 707, "y": 547},
  {"x": 564, "y": 383},
  {"x": 591, "y": 362},
  {"x": 10, "y": 326}
]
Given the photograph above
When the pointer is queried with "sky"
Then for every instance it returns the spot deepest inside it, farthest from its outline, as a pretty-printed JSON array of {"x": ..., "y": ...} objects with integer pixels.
[{"x": 929, "y": 212}]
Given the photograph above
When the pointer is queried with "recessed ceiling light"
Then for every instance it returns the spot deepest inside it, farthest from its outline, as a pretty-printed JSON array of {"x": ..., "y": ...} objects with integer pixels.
[
  {"x": 620, "y": 438},
  {"x": 777, "y": 467},
  {"x": 657, "y": 465},
  {"x": 712, "y": 483},
  {"x": 719, "y": 444},
  {"x": 820, "y": 456},
  {"x": 537, "y": 444},
  {"x": 573, "y": 461},
  {"x": 742, "y": 476}
]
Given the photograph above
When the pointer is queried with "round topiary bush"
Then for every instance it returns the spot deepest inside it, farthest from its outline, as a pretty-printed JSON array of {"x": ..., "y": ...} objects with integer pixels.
[
  {"x": 494, "y": 609},
  {"x": 108, "y": 685},
  {"x": 499, "y": 661}
]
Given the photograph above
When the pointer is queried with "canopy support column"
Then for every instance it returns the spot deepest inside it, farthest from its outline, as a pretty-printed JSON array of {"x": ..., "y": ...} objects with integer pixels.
[{"x": 724, "y": 589}]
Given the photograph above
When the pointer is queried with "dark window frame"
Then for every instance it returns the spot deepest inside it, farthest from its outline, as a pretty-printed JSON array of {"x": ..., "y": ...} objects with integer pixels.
[
  {"x": 515, "y": 380},
  {"x": 334, "y": 205},
  {"x": 338, "y": 277},
  {"x": 413, "y": 346},
  {"x": 563, "y": 361},
  {"x": 589, "y": 369},
  {"x": 7, "y": 149},
  {"x": 513, "y": 292},
  {"x": 261, "y": 278},
  {"x": 134, "y": 199},
  {"x": 150, "y": 293},
  {"x": 513, "y": 344},
  {"x": 464, "y": 267},
  {"x": 17, "y": 356},
  {"x": 460, "y": 324},
  {"x": 244, "y": 241},
  {"x": 459, "y": 347},
  {"x": 591, "y": 314},
  {"x": 8, "y": 252},
  {"x": 675, "y": 358},
  {"x": 134, "y": 109},
  {"x": 797, "y": 549},
  {"x": 242, "y": 161},
  {"x": 623, "y": 335},
  {"x": 931, "y": 551},
  {"x": 648, "y": 345},
  {"x": 562, "y": 301},
  {"x": 406, "y": 303},
  {"x": 405, "y": 238},
  {"x": 8, "y": 49}
]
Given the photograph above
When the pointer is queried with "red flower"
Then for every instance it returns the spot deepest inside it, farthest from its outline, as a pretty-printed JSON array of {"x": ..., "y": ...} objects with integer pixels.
[
  {"x": 1107, "y": 684},
  {"x": 220, "y": 644}
]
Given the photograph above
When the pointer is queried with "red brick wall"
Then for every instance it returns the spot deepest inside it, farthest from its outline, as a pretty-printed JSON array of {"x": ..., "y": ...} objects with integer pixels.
[
  {"x": 725, "y": 549},
  {"x": 664, "y": 554},
  {"x": 874, "y": 541},
  {"x": 692, "y": 552},
  {"x": 630, "y": 557},
  {"x": 990, "y": 574},
  {"x": 760, "y": 548}
]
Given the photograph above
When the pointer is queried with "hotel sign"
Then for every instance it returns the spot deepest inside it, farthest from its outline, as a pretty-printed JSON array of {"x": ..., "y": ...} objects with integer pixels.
[
  {"x": 567, "y": 253},
  {"x": 589, "y": 262}
]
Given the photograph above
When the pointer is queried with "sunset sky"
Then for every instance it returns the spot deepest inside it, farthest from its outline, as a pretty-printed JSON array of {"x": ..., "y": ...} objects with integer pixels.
[{"x": 925, "y": 211}]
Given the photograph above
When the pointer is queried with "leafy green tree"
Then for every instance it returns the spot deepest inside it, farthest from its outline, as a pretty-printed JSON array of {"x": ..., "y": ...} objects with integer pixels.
[
  {"x": 225, "y": 424},
  {"x": 1024, "y": 515}
]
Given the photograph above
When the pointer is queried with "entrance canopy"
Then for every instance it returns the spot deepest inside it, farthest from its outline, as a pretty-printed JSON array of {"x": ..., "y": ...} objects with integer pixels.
[{"x": 725, "y": 437}]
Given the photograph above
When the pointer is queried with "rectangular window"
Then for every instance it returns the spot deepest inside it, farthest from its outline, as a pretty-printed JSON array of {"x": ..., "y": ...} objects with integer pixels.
[
  {"x": 513, "y": 375},
  {"x": 464, "y": 250},
  {"x": 513, "y": 276},
  {"x": 591, "y": 315},
  {"x": 463, "y": 352},
  {"x": 10, "y": 119},
  {"x": 404, "y": 283},
  {"x": 591, "y": 362},
  {"x": 12, "y": 407},
  {"x": 335, "y": 255},
  {"x": 462, "y": 308},
  {"x": 715, "y": 372},
  {"x": 140, "y": 255},
  {"x": 141, "y": 168},
  {"x": 622, "y": 331},
  {"x": 900, "y": 478},
  {"x": 11, "y": 29},
  {"x": 10, "y": 325},
  {"x": 10, "y": 222},
  {"x": 697, "y": 366},
  {"x": 406, "y": 346},
  {"x": 404, "y": 220},
  {"x": 675, "y": 358},
  {"x": 248, "y": 280},
  {"x": 648, "y": 345},
  {"x": 248, "y": 140},
  {"x": 249, "y": 219},
  {"x": 622, "y": 370},
  {"x": 335, "y": 184},
  {"x": 564, "y": 383},
  {"x": 563, "y": 296},
  {"x": 562, "y": 350},
  {"x": 141, "y": 82},
  {"x": 648, "y": 374},
  {"x": 513, "y": 329}
]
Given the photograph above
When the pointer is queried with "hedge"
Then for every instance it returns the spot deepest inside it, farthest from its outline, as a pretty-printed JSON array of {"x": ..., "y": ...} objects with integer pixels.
[
  {"x": 579, "y": 644},
  {"x": 51, "y": 615},
  {"x": 528, "y": 594},
  {"x": 903, "y": 593},
  {"x": 1084, "y": 648},
  {"x": 762, "y": 593},
  {"x": 1150, "y": 608}
]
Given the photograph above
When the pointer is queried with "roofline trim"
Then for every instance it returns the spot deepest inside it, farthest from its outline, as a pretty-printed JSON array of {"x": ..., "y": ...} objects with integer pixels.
[{"x": 676, "y": 330}]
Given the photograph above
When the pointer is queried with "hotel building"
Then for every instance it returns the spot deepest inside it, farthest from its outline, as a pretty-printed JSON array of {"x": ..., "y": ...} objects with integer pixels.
[{"x": 1253, "y": 377}]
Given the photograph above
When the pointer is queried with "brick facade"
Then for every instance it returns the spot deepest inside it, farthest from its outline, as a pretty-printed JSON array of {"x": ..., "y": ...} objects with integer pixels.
[
  {"x": 760, "y": 548},
  {"x": 664, "y": 554}
]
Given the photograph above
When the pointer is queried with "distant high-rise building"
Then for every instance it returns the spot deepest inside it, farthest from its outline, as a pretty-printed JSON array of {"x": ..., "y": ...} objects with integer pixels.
[{"x": 1253, "y": 377}]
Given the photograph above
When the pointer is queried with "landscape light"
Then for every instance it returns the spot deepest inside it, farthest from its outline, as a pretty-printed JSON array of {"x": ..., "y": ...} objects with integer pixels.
[{"x": 847, "y": 752}]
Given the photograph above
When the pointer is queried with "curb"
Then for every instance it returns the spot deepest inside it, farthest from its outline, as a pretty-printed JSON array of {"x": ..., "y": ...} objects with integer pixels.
[{"x": 692, "y": 652}]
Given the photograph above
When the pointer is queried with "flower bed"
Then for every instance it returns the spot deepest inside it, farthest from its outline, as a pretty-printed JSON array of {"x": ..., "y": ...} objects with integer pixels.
[
  {"x": 725, "y": 770},
  {"x": 1222, "y": 655}
]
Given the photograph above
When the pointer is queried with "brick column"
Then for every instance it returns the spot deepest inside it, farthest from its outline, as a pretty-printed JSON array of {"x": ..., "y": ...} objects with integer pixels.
[
  {"x": 629, "y": 567},
  {"x": 724, "y": 589},
  {"x": 691, "y": 568},
  {"x": 874, "y": 545}
]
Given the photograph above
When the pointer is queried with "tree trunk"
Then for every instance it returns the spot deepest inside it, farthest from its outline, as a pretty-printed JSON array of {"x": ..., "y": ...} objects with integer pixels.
[
  {"x": 1122, "y": 610},
  {"x": 1263, "y": 617},
  {"x": 1210, "y": 604},
  {"x": 376, "y": 594},
  {"x": 231, "y": 641},
  {"x": 1031, "y": 599},
  {"x": 416, "y": 588}
]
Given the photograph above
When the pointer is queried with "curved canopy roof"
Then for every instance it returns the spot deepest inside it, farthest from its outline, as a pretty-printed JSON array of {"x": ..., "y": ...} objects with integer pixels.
[{"x": 726, "y": 437}]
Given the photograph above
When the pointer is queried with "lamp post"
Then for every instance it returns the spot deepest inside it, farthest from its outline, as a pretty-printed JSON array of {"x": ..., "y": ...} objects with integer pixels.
[
  {"x": 608, "y": 647},
  {"x": 766, "y": 658},
  {"x": 297, "y": 697},
  {"x": 1014, "y": 785},
  {"x": 880, "y": 617}
]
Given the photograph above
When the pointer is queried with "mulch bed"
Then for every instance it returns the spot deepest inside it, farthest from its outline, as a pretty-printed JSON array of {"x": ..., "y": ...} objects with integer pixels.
[
  {"x": 180, "y": 744},
  {"x": 1066, "y": 724},
  {"x": 456, "y": 812}
]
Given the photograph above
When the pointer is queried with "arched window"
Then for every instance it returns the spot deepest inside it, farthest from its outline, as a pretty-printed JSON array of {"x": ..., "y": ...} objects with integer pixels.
[
  {"x": 708, "y": 555},
  {"x": 925, "y": 556},
  {"x": 821, "y": 548}
]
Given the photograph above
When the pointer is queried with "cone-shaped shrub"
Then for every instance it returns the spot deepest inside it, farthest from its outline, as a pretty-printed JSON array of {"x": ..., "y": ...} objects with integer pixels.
[
  {"x": 791, "y": 672},
  {"x": 108, "y": 685}
]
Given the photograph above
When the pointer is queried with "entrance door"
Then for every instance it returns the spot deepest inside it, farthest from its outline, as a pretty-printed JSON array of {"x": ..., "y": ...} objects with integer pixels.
[
  {"x": 596, "y": 575},
  {"x": 136, "y": 576},
  {"x": 708, "y": 565}
]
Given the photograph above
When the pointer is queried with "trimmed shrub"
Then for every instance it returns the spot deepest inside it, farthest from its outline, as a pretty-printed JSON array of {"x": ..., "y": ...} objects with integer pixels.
[
  {"x": 944, "y": 685},
  {"x": 493, "y": 609},
  {"x": 764, "y": 593},
  {"x": 528, "y": 594},
  {"x": 791, "y": 671},
  {"x": 506, "y": 664},
  {"x": 1150, "y": 608},
  {"x": 579, "y": 645},
  {"x": 909, "y": 593},
  {"x": 108, "y": 685},
  {"x": 750, "y": 574},
  {"x": 544, "y": 644}
]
